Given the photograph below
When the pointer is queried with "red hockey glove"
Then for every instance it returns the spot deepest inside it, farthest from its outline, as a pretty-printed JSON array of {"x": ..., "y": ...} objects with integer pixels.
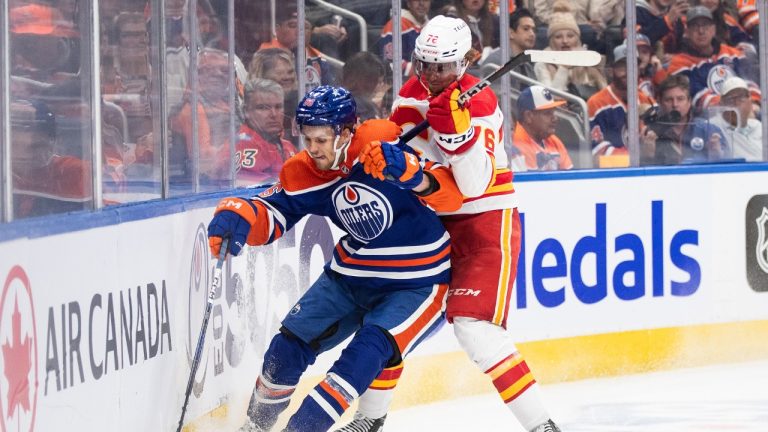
[
  {"x": 232, "y": 219},
  {"x": 449, "y": 120}
]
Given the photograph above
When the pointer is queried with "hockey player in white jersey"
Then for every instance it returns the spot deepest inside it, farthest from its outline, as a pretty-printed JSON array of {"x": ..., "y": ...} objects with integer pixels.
[{"x": 485, "y": 231}]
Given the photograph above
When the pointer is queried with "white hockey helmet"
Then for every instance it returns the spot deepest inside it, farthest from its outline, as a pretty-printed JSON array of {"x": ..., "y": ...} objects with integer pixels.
[{"x": 443, "y": 40}]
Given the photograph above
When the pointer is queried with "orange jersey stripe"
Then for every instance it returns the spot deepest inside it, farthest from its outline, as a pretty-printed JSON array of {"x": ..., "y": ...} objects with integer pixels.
[
  {"x": 335, "y": 394},
  {"x": 393, "y": 263},
  {"x": 406, "y": 337}
]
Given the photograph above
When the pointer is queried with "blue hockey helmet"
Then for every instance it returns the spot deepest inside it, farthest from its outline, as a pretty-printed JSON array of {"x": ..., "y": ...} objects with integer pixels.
[{"x": 327, "y": 106}]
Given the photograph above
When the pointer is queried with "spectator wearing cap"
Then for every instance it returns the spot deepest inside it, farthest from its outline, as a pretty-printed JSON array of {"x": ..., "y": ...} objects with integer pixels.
[
  {"x": 534, "y": 133},
  {"x": 318, "y": 71},
  {"x": 727, "y": 27},
  {"x": 650, "y": 70},
  {"x": 608, "y": 115},
  {"x": 522, "y": 36},
  {"x": 261, "y": 149},
  {"x": 672, "y": 135},
  {"x": 702, "y": 58},
  {"x": 743, "y": 132},
  {"x": 657, "y": 20},
  {"x": 564, "y": 35}
]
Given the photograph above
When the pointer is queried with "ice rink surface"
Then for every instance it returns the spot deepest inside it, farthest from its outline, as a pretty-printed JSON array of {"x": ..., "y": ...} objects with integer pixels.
[{"x": 723, "y": 398}]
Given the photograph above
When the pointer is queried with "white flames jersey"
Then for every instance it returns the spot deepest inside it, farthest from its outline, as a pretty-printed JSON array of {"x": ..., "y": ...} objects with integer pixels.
[{"x": 481, "y": 169}]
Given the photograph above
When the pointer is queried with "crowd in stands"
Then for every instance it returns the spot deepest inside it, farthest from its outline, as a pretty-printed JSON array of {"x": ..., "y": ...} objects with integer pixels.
[
  {"x": 697, "y": 62},
  {"x": 706, "y": 42}
]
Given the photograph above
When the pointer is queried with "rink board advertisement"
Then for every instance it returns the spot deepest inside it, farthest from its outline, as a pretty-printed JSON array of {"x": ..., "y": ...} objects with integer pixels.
[{"x": 98, "y": 325}]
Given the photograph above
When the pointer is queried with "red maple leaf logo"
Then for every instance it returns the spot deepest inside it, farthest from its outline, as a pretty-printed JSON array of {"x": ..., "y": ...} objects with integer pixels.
[{"x": 18, "y": 362}]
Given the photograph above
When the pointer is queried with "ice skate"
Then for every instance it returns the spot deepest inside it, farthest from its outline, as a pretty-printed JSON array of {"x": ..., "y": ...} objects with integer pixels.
[
  {"x": 362, "y": 423},
  {"x": 250, "y": 426},
  {"x": 549, "y": 426}
]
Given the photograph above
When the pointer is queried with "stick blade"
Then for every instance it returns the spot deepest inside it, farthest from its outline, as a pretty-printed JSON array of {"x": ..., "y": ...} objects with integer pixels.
[{"x": 566, "y": 58}]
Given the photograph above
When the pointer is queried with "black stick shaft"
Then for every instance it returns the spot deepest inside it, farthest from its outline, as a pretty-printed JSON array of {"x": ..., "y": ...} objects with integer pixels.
[
  {"x": 215, "y": 285},
  {"x": 475, "y": 89}
]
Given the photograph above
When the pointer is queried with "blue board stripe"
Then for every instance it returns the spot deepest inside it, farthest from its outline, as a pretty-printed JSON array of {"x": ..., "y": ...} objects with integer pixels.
[{"x": 113, "y": 215}]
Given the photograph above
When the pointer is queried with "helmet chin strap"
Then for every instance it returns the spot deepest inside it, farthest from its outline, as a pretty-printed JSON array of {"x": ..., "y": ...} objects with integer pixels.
[{"x": 340, "y": 153}]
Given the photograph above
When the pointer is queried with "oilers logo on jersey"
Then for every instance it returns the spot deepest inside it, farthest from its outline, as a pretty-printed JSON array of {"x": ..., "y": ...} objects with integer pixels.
[
  {"x": 717, "y": 76},
  {"x": 364, "y": 211}
]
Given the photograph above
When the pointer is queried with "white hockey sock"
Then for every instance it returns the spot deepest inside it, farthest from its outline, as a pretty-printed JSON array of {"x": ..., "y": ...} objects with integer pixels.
[{"x": 491, "y": 348}]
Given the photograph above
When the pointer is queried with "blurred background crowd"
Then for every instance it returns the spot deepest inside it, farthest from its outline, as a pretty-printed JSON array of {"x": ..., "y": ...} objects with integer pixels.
[{"x": 198, "y": 95}]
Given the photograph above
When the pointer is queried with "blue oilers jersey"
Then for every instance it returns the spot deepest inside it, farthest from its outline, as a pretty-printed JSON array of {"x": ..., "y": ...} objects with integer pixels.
[{"x": 393, "y": 241}]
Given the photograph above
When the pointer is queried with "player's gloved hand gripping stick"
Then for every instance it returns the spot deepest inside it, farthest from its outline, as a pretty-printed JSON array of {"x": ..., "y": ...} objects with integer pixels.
[{"x": 568, "y": 58}]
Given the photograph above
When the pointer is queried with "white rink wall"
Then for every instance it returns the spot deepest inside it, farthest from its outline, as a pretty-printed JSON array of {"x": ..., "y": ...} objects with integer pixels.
[{"x": 100, "y": 313}]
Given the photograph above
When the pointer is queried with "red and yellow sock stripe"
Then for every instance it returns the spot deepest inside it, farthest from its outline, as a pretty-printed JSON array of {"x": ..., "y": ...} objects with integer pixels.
[
  {"x": 388, "y": 378},
  {"x": 511, "y": 377}
]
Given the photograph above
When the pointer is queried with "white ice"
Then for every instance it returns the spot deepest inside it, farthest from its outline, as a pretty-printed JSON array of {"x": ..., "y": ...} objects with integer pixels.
[{"x": 723, "y": 398}]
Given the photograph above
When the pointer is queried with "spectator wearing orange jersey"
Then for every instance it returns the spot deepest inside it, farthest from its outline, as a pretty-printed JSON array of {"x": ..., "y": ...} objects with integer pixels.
[
  {"x": 705, "y": 60},
  {"x": 261, "y": 149},
  {"x": 748, "y": 15},
  {"x": 535, "y": 131},
  {"x": 413, "y": 18},
  {"x": 608, "y": 113}
]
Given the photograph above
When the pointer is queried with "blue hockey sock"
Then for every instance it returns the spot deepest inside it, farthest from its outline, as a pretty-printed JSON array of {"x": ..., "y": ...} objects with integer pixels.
[
  {"x": 268, "y": 401},
  {"x": 360, "y": 362},
  {"x": 285, "y": 360}
]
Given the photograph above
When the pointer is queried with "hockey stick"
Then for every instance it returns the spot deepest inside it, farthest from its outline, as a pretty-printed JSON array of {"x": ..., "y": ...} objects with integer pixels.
[
  {"x": 566, "y": 58},
  {"x": 215, "y": 285}
]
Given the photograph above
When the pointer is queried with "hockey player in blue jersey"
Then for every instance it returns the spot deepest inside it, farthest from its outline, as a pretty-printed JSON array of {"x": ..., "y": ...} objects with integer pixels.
[{"x": 387, "y": 280}]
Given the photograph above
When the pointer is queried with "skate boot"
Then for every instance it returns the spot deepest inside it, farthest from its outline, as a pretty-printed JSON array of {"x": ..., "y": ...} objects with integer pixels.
[
  {"x": 549, "y": 426},
  {"x": 250, "y": 426},
  {"x": 362, "y": 423}
]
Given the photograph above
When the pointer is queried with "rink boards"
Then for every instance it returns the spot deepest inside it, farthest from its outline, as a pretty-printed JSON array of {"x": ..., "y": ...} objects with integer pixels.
[{"x": 621, "y": 271}]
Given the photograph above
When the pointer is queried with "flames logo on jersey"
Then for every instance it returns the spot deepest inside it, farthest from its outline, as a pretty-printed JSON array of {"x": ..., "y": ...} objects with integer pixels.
[{"x": 364, "y": 211}]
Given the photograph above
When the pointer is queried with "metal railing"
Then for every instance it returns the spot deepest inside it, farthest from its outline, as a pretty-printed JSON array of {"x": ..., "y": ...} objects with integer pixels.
[{"x": 351, "y": 15}]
